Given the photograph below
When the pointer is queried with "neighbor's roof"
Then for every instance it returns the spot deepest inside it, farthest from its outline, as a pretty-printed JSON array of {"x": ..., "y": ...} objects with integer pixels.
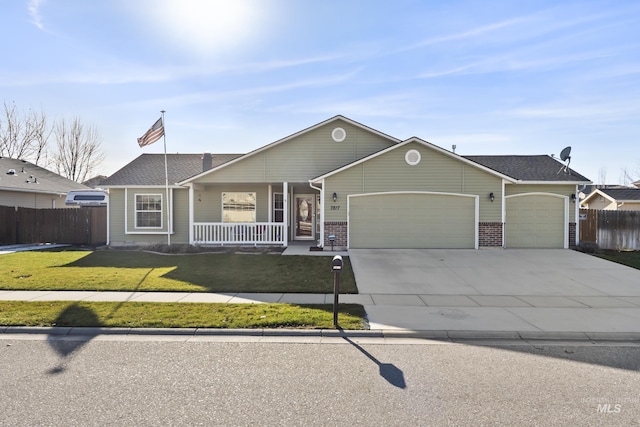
[
  {"x": 538, "y": 168},
  {"x": 622, "y": 194},
  {"x": 33, "y": 179},
  {"x": 148, "y": 169}
]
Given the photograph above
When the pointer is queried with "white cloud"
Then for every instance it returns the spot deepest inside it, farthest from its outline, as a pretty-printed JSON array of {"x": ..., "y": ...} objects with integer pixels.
[
  {"x": 464, "y": 35},
  {"x": 34, "y": 11}
]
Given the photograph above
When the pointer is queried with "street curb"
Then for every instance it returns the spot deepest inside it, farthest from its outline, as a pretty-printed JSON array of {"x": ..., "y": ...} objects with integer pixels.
[{"x": 435, "y": 335}]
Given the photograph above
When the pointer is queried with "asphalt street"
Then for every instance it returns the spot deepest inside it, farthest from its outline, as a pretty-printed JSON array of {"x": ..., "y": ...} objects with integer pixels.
[{"x": 174, "y": 380}]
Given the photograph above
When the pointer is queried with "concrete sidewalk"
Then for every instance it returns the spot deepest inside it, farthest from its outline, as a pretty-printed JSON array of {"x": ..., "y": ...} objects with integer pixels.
[
  {"x": 454, "y": 294},
  {"x": 427, "y": 316}
]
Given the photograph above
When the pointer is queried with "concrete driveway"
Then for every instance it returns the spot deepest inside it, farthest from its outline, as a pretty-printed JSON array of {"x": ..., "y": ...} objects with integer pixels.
[{"x": 525, "y": 293}]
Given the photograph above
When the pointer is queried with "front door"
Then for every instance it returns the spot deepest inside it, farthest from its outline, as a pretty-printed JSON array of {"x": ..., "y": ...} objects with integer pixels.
[{"x": 304, "y": 218}]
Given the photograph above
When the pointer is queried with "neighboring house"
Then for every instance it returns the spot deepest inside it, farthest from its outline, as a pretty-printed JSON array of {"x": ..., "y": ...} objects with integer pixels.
[
  {"x": 23, "y": 184},
  {"x": 95, "y": 182},
  {"x": 613, "y": 199},
  {"x": 344, "y": 181}
]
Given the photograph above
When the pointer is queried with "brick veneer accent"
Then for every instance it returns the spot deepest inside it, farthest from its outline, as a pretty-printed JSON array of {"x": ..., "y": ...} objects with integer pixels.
[
  {"x": 337, "y": 228},
  {"x": 572, "y": 234},
  {"x": 489, "y": 234}
]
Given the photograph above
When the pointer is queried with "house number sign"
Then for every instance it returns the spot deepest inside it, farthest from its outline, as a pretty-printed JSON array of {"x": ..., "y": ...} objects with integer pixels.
[{"x": 335, "y": 207}]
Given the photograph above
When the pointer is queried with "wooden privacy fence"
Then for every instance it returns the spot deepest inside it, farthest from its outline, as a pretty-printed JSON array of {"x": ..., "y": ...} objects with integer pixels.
[
  {"x": 617, "y": 230},
  {"x": 83, "y": 226}
]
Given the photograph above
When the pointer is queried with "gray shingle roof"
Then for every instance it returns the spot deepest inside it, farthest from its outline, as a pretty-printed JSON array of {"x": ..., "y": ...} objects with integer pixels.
[
  {"x": 621, "y": 194},
  {"x": 32, "y": 178},
  {"x": 148, "y": 169},
  {"x": 529, "y": 168}
]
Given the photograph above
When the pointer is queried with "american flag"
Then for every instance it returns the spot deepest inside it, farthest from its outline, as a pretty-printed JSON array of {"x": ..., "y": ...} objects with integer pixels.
[{"x": 153, "y": 134}]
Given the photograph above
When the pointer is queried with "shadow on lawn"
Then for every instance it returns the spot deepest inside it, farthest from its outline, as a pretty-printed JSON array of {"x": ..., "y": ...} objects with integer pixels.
[{"x": 226, "y": 272}]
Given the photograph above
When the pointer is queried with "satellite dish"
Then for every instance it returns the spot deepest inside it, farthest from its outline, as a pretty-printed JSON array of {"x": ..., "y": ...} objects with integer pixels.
[{"x": 565, "y": 157}]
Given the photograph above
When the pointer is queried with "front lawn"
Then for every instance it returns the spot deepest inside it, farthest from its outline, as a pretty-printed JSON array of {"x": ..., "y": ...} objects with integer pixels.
[
  {"x": 178, "y": 315},
  {"x": 629, "y": 258},
  {"x": 114, "y": 270}
]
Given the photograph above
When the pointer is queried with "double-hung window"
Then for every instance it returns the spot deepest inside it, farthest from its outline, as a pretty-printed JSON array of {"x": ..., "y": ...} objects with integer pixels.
[
  {"x": 238, "y": 207},
  {"x": 148, "y": 210}
]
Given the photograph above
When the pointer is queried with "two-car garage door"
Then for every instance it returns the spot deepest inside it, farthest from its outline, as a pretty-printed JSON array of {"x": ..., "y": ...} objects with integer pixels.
[{"x": 413, "y": 220}]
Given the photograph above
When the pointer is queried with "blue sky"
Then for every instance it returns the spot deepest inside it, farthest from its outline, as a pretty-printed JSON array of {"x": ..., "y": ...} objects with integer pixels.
[{"x": 492, "y": 77}]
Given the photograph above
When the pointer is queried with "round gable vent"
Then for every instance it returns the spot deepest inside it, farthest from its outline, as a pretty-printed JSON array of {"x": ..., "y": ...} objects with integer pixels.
[
  {"x": 338, "y": 134},
  {"x": 412, "y": 157}
]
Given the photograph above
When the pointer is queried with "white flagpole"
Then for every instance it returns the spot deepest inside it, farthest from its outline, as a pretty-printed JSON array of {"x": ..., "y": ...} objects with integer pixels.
[{"x": 166, "y": 180}]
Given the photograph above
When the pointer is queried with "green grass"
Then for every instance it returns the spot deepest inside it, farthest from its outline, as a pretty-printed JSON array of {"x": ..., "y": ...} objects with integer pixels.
[
  {"x": 113, "y": 270},
  {"x": 177, "y": 315},
  {"x": 630, "y": 258}
]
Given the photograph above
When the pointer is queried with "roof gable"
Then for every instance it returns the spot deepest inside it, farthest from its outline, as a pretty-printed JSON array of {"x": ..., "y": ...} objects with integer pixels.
[
  {"x": 27, "y": 177},
  {"x": 339, "y": 120},
  {"x": 404, "y": 143}
]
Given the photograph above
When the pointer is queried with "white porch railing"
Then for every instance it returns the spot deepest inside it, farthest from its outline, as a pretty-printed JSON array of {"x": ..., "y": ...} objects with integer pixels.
[{"x": 255, "y": 233}]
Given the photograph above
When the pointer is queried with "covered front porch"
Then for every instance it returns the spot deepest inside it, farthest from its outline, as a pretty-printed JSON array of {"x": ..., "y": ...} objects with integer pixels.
[{"x": 254, "y": 214}]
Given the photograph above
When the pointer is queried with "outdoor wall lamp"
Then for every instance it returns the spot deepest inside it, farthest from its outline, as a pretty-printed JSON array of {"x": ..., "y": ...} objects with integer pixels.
[
  {"x": 335, "y": 197},
  {"x": 573, "y": 197},
  {"x": 492, "y": 197}
]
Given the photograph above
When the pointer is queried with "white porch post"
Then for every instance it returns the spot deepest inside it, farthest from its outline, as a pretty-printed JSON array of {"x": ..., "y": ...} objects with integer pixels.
[
  {"x": 191, "y": 214},
  {"x": 285, "y": 216},
  {"x": 577, "y": 216},
  {"x": 270, "y": 204},
  {"x": 321, "y": 207}
]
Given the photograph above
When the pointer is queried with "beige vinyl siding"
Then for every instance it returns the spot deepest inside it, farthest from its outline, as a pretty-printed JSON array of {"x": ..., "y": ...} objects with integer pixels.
[
  {"x": 208, "y": 202},
  {"x": 118, "y": 234},
  {"x": 535, "y": 221},
  {"x": 412, "y": 221},
  {"x": 563, "y": 190},
  {"x": 601, "y": 203},
  {"x": 116, "y": 217},
  {"x": 436, "y": 172},
  {"x": 25, "y": 199},
  {"x": 301, "y": 158}
]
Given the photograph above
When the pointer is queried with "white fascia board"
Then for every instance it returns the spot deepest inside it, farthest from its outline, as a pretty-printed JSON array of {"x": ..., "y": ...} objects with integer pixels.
[
  {"x": 287, "y": 138},
  {"x": 22, "y": 190},
  {"x": 424, "y": 143},
  {"x": 161, "y": 186},
  {"x": 599, "y": 193},
  {"x": 552, "y": 182}
]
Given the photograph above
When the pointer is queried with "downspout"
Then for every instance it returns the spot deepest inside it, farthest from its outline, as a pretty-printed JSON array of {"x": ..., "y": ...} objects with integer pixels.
[
  {"x": 108, "y": 221},
  {"x": 321, "y": 190}
]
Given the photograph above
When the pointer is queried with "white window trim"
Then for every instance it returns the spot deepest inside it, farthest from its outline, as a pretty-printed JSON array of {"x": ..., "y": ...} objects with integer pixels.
[
  {"x": 135, "y": 211},
  {"x": 276, "y": 209}
]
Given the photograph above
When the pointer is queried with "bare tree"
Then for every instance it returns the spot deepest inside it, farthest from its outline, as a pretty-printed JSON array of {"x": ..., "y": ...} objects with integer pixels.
[
  {"x": 78, "y": 149},
  {"x": 625, "y": 177},
  {"x": 602, "y": 176},
  {"x": 40, "y": 132},
  {"x": 23, "y": 135}
]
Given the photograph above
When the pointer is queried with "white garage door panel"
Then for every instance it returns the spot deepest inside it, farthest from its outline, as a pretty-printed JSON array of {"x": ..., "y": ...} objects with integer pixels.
[
  {"x": 535, "y": 221},
  {"x": 411, "y": 221}
]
